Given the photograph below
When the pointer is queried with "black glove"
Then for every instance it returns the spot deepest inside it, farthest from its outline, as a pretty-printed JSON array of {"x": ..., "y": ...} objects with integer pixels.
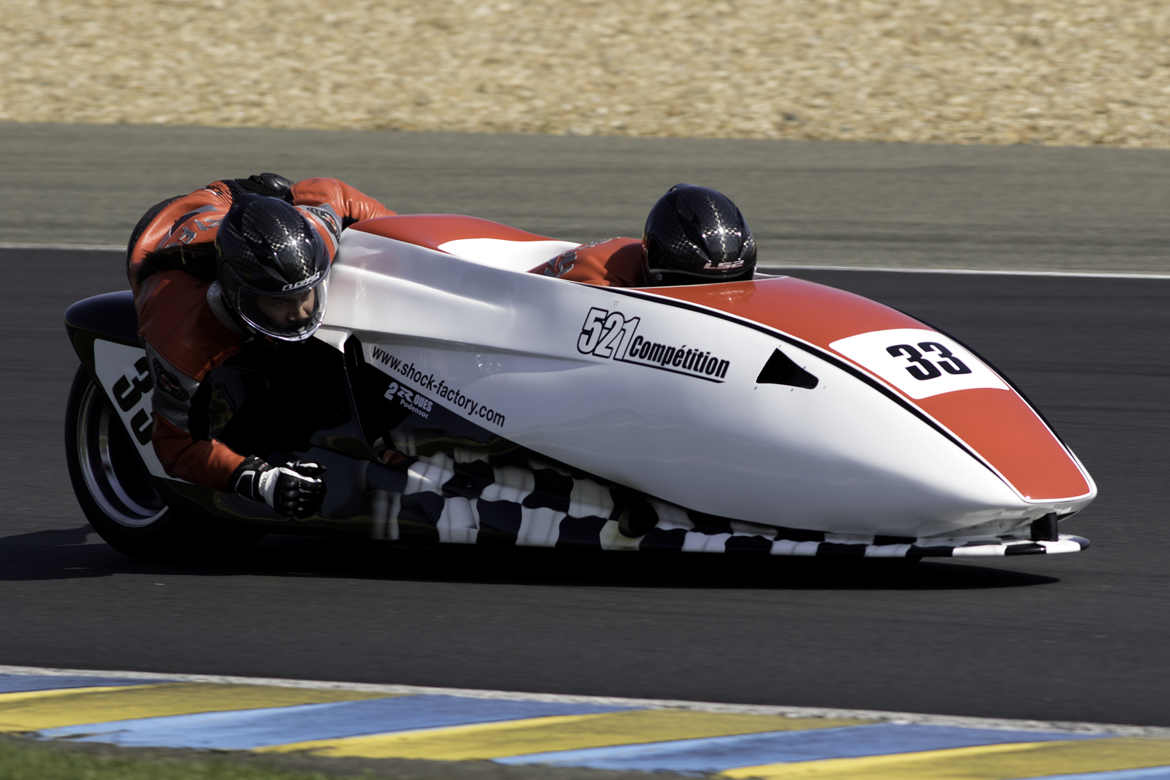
[
  {"x": 271, "y": 184},
  {"x": 295, "y": 489}
]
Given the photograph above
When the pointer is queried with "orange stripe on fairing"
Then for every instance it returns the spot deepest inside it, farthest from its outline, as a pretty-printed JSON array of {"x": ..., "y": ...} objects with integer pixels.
[
  {"x": 810, "y": 311},
  {"x": 997, "y": 424},
  {"x": 1002, "y": 428},
  {"x": 432, "y": 230}
]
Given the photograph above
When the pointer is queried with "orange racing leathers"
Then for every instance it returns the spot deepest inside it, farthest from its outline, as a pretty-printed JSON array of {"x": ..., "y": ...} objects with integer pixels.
[
  {"x": 186, "y": 332},
  {"x": 613, "y": 263}
]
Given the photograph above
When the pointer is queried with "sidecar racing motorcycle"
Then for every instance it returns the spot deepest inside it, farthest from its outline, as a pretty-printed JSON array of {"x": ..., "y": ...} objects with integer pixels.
[{"x": 457, "y": 398}]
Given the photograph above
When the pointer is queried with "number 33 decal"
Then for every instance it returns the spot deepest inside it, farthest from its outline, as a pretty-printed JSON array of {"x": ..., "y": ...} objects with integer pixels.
[
  {"x": 922, "y": 366},
  {"x": 921, "y": 363}
]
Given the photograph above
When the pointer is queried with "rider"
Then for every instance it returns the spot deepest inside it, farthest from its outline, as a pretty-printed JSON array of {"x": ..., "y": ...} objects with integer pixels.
[
  {"x": 238, "y": 262},
  {"x": 692, "y": 235}
]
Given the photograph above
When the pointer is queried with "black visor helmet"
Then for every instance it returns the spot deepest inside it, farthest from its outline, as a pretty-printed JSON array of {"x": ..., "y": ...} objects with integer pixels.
[
  {"x": 695, "y": 235},
  {"x": 273, "y": 268}
]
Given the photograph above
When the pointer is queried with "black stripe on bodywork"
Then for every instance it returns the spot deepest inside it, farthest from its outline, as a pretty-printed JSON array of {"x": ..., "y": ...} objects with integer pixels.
[{"x": 824, "y": 355}]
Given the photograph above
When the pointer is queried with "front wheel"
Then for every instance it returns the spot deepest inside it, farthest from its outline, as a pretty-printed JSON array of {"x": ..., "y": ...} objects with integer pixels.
[{"x": 117, "y": 493}]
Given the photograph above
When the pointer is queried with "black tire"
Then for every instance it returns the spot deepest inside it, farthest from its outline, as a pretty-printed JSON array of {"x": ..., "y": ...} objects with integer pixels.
[{"x": 117, "y": 495}]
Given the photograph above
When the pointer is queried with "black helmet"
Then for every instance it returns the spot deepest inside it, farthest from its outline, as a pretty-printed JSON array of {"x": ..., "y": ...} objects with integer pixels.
[
  {"x": 695, "y": 234},
  {"x": 273, "y": 268}
]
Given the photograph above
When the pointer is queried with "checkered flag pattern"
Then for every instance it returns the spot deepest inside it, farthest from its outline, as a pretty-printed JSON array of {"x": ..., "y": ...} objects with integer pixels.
[{"x": 467, "y": 497}]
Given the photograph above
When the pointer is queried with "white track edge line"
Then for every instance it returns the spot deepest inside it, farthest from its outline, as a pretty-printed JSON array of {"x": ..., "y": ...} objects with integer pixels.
[
  {"x": 771, "y": 269},
  {"x": 65, "y": 247},
  {"x": 781, "y": 269},
  {"x": 1002, "y": 724}
]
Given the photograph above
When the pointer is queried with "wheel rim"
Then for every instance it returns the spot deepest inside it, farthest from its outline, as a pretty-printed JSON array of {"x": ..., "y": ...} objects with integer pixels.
[{"x": 113, "y": 472}]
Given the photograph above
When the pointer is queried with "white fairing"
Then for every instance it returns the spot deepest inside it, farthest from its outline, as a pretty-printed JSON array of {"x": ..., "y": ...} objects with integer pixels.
[
  {"x": 573, "y": 372},
  {"x": 501, "y": 253}
]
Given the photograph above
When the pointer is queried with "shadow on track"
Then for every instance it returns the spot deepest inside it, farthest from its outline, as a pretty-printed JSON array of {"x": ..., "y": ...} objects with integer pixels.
[{"x": 73, "y": 553}]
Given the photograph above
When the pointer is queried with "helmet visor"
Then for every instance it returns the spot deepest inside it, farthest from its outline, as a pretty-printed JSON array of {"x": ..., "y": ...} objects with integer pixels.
[{"x": 290, "y": 316}]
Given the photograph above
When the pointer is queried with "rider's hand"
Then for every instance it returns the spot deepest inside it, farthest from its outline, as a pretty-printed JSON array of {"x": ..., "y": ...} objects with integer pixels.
[
  {"x": 271, "y": 184},
  {"x": 295, "y": 489}
]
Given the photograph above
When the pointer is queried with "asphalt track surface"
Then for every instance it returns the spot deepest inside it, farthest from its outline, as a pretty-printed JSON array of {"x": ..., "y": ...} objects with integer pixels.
[{"x": 1082, "y": 637}]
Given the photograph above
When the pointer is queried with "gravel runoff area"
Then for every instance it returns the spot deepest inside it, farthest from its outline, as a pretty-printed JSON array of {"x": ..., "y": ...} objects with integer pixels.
[{"x": 1060, "y": 72}]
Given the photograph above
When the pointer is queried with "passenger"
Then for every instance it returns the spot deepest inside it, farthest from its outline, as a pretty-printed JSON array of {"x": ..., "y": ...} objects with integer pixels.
[
  {"x": 240, "y": 261},
  {"x": 693, "y": 235}
]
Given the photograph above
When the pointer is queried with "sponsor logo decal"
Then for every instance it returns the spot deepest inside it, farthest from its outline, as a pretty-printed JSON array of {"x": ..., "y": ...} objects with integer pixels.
[
  {"x": 303, "y": 282},
  {"x": 437, "y": 387},
  {"x": 183, "y": 233},
  {"x": 415, "y": 402},
  {"x": 611, "y": 334},
  {"x": 725, "y": 265}
]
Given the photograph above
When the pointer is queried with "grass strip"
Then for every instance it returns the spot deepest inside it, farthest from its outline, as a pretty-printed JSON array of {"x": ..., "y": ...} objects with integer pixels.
[{"x": 25, "y": 758}]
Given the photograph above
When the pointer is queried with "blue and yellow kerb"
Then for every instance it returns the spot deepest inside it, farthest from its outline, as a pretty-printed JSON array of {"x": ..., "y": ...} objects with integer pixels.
[{"x": 325, "y": 720}]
